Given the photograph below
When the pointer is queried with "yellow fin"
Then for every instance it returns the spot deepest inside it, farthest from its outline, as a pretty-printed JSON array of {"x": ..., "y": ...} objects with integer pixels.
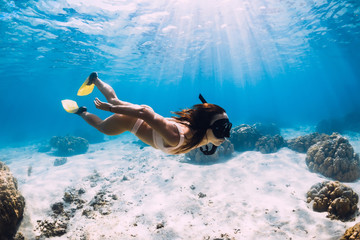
[
  {"x": 70, "y": 106},
  {"x": 85, "y": 89}
]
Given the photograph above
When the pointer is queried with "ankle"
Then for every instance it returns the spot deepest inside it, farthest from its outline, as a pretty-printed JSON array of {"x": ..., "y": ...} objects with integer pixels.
[
  {"x": 81, "y": 111},
  {"x": 93, "y": 77},
  {"x": 96, "y": 81}
]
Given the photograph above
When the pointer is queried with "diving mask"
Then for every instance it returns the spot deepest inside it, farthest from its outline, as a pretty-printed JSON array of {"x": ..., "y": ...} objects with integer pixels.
[{"x": 221, "y": 128}]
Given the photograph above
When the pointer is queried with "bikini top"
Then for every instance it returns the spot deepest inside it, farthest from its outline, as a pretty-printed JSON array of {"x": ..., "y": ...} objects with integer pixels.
[{"x": 159, "y": 142}]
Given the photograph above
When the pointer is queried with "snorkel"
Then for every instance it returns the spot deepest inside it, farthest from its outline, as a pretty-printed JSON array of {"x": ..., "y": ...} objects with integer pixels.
[{"x": 221, "y": 129}]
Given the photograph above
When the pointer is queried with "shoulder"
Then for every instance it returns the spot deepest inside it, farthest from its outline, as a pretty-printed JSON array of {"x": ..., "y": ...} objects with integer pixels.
[{"x": 183, "y": 122}]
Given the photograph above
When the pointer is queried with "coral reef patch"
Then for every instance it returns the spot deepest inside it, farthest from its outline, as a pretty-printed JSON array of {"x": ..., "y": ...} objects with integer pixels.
[
  {"x": 303, "y": 143},
  {"x": 54, "y": 226},
  {"x": 352, "y": 233},
  {"x": 244, "y": 137},
  {"x": 60, "y": 161},
  {"x": 260, "y": 137},
  {"x": 339, "y": 200},
  {"x": 334, "y": 158},
  {"x": 12, "y": 204},
  {"x": 269, "y": 144},
  {"x": 69, "y": 145}
]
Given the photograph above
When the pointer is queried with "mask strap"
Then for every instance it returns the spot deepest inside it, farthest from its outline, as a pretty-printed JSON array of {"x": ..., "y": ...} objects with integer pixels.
[{"x": 202, "y": 99}]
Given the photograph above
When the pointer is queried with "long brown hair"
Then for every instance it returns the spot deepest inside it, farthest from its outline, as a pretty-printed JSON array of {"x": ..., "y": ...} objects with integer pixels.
[{"x": 198, "y": 118}]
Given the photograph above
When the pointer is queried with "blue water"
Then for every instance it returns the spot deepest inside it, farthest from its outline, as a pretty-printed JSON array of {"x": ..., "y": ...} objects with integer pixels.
[{"x": 290, "y": 62}]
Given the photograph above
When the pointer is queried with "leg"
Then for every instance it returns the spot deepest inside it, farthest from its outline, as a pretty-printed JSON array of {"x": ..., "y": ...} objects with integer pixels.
[
  {"x": 113, "y": 125},
  {"x": 108, "y": 92}
]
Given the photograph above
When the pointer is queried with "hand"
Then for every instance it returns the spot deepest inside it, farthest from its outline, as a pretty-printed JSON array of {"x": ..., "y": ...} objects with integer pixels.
[{"x": 102, "y": 105}]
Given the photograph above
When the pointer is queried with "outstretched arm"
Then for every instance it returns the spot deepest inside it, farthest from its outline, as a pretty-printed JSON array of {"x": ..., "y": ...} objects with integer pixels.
[
  {"x": 129, "y": 109},
  {"x": 164, "y": 127}
]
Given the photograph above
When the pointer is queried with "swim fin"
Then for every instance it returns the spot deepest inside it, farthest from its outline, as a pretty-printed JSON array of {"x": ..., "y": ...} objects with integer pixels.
[
  {"x": 86, "y": 89},
  {"x": 70, "y": 106}
]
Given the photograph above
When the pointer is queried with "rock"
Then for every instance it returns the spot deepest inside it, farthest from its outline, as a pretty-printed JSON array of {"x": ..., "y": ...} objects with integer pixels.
[
  {"x": 68, "y": 197},
  {"x": 93, "y": 178},
  {"x": 12, "y": 204},
  {"x": 244, "y": 137},
  {"x": 201, "y": 195},
  {"x": 57, "y": 208},
  {"x": 159, "y": 225},
  {"x": 334, "y": 158},
  {"x": 29, "y": 171},
  {"x": 303, "y": 143},
  {"x": 102, "y": 202},
  {"x": 60, "y": 161},
  {"x": 261, "y": 137},
  {"x": 52, "y": 227},
  {"x": 81, "y": 191},
  {"x": 224, "y": 150},
  {"x": 69, "y": 145},
  {"x": 71, "y": 196},
  {"x": 339, "y": 200},
  {"x": 223, "y": 236},
  {"x": 56, "y": 224},
  {"x": 269, "y": 144},
  {"x": 267, "y": 129},
  {"x": 352, "y": 233},
  {"x": 19, "y": 236},
  {"x": 88, "y": 213},
  {"x": 125, "y": 178}
]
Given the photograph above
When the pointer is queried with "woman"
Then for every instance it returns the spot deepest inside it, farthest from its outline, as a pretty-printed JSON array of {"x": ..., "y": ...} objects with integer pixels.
[{"x": 191, "y": 128}]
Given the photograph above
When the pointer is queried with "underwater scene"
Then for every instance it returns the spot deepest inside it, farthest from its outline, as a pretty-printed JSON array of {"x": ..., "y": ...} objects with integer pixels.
[{"x": 179, "y": 119}]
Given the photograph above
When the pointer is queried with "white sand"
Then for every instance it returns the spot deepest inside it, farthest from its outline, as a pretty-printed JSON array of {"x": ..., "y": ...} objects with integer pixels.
[{"x": 250, "y": 196}]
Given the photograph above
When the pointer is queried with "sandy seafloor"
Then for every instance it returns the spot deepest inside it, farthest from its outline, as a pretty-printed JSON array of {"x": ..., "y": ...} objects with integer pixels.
[{"x": 248, "y": 196}]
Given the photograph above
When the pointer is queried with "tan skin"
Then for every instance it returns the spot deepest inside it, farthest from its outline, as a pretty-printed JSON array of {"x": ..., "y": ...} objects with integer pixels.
[{"x": 126, "y": 114}]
